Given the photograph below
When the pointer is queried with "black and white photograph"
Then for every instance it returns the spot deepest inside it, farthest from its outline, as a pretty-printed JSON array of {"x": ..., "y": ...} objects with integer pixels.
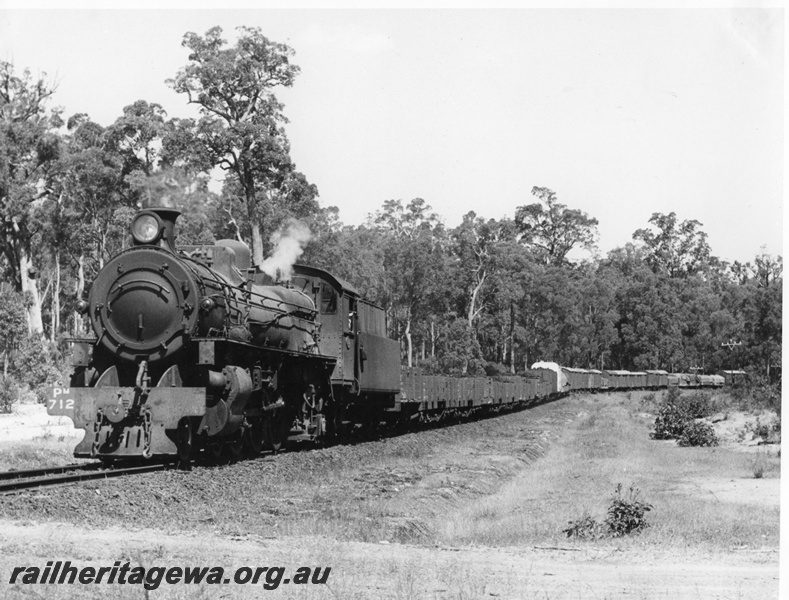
[{"x": 431, "y": 301}]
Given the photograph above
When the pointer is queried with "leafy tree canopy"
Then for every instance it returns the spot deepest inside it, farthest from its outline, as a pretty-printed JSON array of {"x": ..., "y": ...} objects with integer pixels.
[
  {"x": 673, "y": 247},
  {"x": 241, "y": 125},
  {"x": 553, "y": 228}
]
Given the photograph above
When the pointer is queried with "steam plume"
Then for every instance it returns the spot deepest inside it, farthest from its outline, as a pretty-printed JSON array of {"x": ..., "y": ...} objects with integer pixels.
[{"x": 289, "y": 241}]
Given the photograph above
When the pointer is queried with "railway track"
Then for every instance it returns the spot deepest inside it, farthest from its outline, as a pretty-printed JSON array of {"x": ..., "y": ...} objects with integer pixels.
[
  {"x": 19, "y": 480},
  {"x": 43, "y": 472},
  {"x": 14, "y": 481}
]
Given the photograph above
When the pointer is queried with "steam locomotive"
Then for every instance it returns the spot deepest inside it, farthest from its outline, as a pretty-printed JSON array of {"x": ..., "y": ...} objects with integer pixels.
[{"x": 193, "y": 347}]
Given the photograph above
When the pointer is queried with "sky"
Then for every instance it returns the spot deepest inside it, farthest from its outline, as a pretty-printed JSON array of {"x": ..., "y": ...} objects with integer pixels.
[{"x": 622, "y": 112}]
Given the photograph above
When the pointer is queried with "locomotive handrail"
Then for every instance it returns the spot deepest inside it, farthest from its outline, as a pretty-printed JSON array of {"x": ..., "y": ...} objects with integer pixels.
[
  {"x": 298, "y": 307},
  {"x": 130, "y": 281},
  {"x": 217, "y": 278}
]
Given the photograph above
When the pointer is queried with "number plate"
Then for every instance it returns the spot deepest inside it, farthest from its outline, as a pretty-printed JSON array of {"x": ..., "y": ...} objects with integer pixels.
[{"x": 60, "y": 402}]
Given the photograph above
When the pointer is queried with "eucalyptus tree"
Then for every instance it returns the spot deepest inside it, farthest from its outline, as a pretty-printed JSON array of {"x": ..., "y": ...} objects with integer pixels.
[
  {"x": 509, "y": 273},
  {"x": 553, "y": 229},
  {"x": 650, "y": 324},
  {"x": 597, "y": 315},
  {"x": 413, "y": 239},
  {"x": 137, "y": 137},
  {"x": 474, "y": 246},
  {"x": 29, "y": 146},
  {"x": 677, "y": 248},
  {"x": 767, "y": 269},
  {"x": 354, "y": 253},
  {"x": 80, "y": 227},
  {"x": 241, "y": 124},
  {"x": 763, "y": 314}
]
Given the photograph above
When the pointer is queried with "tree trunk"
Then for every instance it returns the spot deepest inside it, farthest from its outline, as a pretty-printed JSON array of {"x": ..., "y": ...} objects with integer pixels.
[
  {"x": 102, "y": 248},
  {"x": 257, "y": 244},
  {"x": 78, "y": 322},
  {"x": 35, "y": 324},
  {"x": 512, "y": 337},
  {"x": 53, "y": 334},
  {"x": 254, "y": 211},
  {"x": 408, "y": 340},
  {"x": 472, "y": 305},
  {"x": 27, "y": 282}
]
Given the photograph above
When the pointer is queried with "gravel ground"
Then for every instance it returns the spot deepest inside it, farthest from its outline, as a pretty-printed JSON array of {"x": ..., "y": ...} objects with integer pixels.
[{"x": 299, "y": 491}]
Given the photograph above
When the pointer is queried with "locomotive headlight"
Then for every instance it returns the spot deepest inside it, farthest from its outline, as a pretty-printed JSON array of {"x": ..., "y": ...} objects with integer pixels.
[
  {"x": 82, "y": 307},
  {"x": 146, "y": 228}
]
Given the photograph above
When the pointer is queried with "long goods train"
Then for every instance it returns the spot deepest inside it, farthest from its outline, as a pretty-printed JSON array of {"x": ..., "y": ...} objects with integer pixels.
[{"x": 193, "y": 348}]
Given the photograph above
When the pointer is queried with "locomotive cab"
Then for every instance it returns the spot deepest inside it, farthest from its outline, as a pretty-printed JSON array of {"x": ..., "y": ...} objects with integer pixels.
[{"x": 353, "y": 330}]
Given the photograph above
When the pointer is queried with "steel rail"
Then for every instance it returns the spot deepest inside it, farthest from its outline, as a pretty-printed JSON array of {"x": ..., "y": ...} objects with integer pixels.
[
  {"x": 14, "y": 485},
  {"x": 44, "y": 471}
]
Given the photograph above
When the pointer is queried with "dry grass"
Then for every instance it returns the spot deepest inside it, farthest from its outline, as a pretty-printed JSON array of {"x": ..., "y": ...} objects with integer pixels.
[
  {"x": 412, "y": 495},
  {"x": 356, "y": 573},
  {"x": 45, "y": 451},
  {"x": 607, "y": 446}
]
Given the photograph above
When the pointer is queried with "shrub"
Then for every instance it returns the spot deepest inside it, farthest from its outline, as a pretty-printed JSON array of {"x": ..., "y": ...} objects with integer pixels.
[
  {"x": 757, "y": 392},
  {"x": 676, "y": 414},
  {"x": 698, "y": 434},
  {"x": 768, "y": 429},
  {"x": 36, "y": 364},
  {"x": 761, "y": 429},
  {"x": 626, "y": 514},
  {"x": 9, "y": 390},
  {"x": 670, "y": 421},
  {"x": 493, "y": 369},
  {"x": 585, "y": 528},
  {"x": 697, "y": 405}
]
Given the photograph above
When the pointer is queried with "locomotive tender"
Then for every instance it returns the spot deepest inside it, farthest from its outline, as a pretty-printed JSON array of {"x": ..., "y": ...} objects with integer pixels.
[{"x": 192, "y": 347}]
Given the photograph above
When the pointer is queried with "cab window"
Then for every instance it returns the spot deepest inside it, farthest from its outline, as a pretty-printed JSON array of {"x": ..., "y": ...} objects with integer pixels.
[{"x": 328, "y": 300}]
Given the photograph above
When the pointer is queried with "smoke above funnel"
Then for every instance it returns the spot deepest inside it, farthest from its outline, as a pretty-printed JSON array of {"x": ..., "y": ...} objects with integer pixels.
[{"x": 289, "y": 242}]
